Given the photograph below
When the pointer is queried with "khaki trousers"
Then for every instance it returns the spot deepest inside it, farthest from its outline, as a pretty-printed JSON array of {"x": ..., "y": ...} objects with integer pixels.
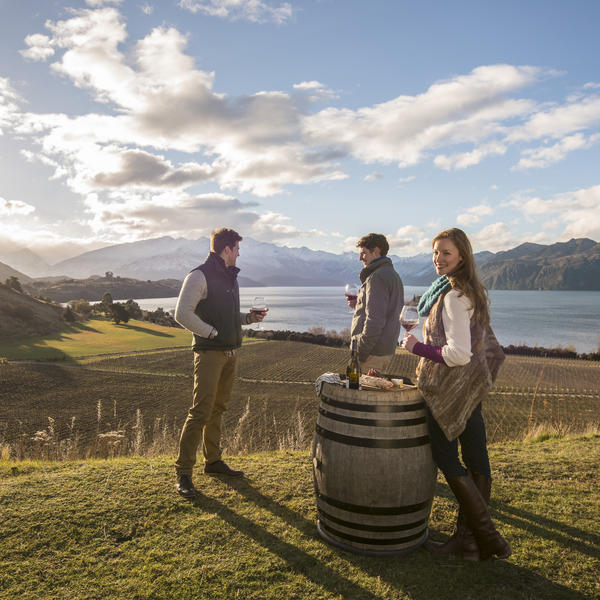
[
  {"x": 381, "y": 363},
  {"x": 214, "y": 374}
]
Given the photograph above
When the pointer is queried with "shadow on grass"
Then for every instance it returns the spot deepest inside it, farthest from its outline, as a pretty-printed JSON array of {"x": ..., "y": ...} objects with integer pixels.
[
  {"x": 566, "y": 535},
  {"x": 412, "y": 573},
  {"x": 145, "y": 330},
  {"x": 539, "y": 525},
  {"x": 297, "y": 559}
]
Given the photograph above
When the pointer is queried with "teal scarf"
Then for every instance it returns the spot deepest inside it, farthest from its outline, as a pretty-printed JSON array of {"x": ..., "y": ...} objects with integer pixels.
[{"x": 429, "y": 298}]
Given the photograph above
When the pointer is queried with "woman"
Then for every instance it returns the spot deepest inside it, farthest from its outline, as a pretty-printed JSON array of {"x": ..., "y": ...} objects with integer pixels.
[{"x": 460, "y": 358}]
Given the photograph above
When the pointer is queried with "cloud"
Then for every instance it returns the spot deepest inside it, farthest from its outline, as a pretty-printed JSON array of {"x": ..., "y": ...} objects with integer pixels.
[
  {"x": 314, "y": 90},
  {"x": 494, "y": 237},
  {"x": 163, "y": 101},
  {"x": 545, "y": 156},
  {"x": 467, "y": 108},
  {"x": 250, "y": 10},
  {"x": 468, "y": 159},
  {"x": 9, "y": 104},
  {"x": 559, "y": 121},
  {"x": 474, "y": 214},
  {"x": 99, "y": 3},
  {"x": 147, "y": 9},
  {"x": 40, "y": 47},
  {"x": 374, "y": 176},
  {"x": 9, "y": 208},
  {"x": 142, "y": 169},
  {"x": 407, "y": 179},
  {"x": 408, "y": 240},
  {"x": 578, "y": 211}
]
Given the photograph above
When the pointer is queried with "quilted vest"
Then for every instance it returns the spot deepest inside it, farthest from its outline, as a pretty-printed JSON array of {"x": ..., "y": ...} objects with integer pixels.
[
  {"x": 452, "y": 393},
  {"x": 221, "y": 307}
]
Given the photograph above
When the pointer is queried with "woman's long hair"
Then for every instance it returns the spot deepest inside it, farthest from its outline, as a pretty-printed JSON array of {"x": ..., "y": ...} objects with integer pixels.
[{"x": 465, "y": 277}]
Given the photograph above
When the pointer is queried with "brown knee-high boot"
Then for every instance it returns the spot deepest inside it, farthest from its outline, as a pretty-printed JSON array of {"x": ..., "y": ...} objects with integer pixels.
[
  {"x": 462, "y": 540},
  {"x": 474, "y": 505}
]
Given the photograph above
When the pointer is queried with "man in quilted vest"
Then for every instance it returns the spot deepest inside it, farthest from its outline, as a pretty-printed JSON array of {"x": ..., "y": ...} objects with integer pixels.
[{"x": 209, "y": 307}]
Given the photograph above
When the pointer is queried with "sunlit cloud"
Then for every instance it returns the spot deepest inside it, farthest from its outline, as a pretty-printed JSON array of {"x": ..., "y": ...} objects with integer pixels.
[
  {"x": 579, "y": 211},
  {"x": 14, "y": 207},
  {"x": 474, "y": 214},
  {"x": 547, "y": 155},
  {"x": 468, "y": 108},
  {"x": 251, "y": 10}
]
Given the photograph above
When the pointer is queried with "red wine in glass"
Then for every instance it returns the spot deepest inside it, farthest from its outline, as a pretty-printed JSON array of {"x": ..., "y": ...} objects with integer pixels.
[
  {"x": 351, "y": 294},
  {"x": 409, "y": 317},
  {"x": 258, "y": 306},
  {"x": 409, "y": 325}
]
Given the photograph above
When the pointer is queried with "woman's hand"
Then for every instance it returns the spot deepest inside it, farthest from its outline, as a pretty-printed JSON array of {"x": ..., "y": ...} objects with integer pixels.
[{"x": 409, "y": 341}]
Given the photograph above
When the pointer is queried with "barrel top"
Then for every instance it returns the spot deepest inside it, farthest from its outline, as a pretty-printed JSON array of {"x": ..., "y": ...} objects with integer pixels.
[{"x": 394, "y": 396}]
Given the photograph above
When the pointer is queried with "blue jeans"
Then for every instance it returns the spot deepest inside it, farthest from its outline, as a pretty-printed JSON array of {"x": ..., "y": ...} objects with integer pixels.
[{"x": 473, "y": 447}]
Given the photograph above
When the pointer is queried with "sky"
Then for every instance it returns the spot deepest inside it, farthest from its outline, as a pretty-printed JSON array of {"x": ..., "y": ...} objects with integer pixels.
[{"x": 303, "y": 123}]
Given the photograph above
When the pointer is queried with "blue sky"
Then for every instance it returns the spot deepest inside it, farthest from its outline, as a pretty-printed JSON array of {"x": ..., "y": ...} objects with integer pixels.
[{"x": 300, "y": 123}]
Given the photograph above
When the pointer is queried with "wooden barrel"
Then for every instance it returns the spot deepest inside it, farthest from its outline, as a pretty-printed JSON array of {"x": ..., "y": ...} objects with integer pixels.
[{"x": 373, "y": 471}]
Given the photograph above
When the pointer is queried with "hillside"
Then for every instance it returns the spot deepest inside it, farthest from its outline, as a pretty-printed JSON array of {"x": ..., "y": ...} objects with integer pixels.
[
  {"x": 7, "y": 271},
  {"x": 93, "y": 288},
  {"x": 22, "y": 315},
  {"x": 573, "y": 265},
  {"x": 116, "y": 529}
]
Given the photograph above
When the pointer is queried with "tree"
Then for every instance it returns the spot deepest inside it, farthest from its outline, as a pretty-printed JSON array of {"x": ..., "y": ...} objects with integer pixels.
[
  {"x": 119, "y": 313},
  {"x": 81, "y": 307},
  {"x": 134, "y": 310},
  {"x": 68, "y": 315},
  {"x": 107, "y": 303},
  {"x": 13, "y": 283}
]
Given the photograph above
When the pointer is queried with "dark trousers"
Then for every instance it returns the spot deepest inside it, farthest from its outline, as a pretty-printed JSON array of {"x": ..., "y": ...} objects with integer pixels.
[{"x": 473, "y": 447}]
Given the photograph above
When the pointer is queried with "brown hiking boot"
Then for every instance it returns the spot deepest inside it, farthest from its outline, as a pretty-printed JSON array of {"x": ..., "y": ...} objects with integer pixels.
[
  {"x": 220, "y": 468},
  {"x": 185, "y": 486}
]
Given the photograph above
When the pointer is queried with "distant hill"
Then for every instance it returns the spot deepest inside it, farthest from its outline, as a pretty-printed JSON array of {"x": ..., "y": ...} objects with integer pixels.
[
  {"x": 6, "y": 272},
  {"x": 565, "y": 265},
  {"x": 572, "y": 265},
  {"x": 26, "y": 261},
  {"x": 93, "y": 288},
  {"x": 22, "y": 315}
]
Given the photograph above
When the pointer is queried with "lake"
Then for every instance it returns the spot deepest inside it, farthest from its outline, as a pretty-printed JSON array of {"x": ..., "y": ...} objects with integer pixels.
[{"x": 533, "y": 318}]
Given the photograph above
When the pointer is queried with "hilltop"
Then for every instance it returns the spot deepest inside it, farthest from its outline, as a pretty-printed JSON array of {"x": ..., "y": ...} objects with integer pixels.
[
  {"x": 572, "y": 265},
  {"x": 93, "y": 288}
]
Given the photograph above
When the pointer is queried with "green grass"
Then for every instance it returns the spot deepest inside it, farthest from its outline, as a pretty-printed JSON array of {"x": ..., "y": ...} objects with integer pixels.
[
  {"x": 95, "y": 337},
  {"x": 116, "y": 529},
  {"x": 98, "y": 337}
]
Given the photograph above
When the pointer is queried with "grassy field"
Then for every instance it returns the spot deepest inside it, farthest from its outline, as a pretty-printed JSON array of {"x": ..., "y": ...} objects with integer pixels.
[
  {"x": 116, "y": 529},
  {"x": 113, "y": 405},
  {"x": 95, "y": 337}
]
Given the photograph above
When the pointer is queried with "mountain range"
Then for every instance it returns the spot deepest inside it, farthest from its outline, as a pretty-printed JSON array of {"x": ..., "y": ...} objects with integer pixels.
[{"x": 564, "y": 265}]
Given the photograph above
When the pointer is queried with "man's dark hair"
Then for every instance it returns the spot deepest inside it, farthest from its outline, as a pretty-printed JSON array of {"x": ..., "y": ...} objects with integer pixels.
[
  {"x": 219, "y": 238},
  {"x": 372, "y": 241}
]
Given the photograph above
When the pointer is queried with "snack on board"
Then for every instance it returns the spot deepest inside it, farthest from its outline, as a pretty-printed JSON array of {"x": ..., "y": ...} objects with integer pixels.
[{"x": 376, "y": 382}]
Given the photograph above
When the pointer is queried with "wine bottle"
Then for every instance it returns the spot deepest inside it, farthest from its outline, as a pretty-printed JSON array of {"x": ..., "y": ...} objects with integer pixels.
[{"x": 353, "y": 369}]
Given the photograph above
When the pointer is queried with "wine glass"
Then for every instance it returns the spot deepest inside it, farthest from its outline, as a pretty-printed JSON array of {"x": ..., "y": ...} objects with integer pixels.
[
  {"x": 409, "y": 317},
  {"x": 258, "y": 306},
  {"x": 351, "y": 293}
]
